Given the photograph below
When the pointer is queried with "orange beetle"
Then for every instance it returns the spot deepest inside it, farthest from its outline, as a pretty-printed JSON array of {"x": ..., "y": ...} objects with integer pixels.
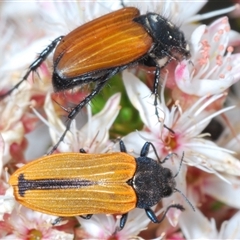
[
  {"x": 101, "y": 48},
  {"x": 72, "y": 184}
]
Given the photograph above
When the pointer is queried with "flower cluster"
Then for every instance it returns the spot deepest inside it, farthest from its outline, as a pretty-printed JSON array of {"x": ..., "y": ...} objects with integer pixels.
[{"x": 195, "y": 102}]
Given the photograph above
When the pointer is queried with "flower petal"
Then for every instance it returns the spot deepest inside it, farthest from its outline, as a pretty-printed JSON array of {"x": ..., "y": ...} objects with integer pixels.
[
  {"x": 224, "y": 192},
  {"x": 196, "y": 226}
]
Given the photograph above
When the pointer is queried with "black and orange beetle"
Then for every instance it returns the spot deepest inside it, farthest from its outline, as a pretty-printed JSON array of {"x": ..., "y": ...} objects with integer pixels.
[
  {"x": 101, "y": 48},
  {"x": 72, "y": 184}
]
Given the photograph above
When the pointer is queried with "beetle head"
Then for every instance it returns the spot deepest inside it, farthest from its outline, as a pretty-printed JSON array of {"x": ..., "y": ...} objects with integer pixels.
[
  {"x": 152, "y": 182},
  {"x": 169, "y": 40}
]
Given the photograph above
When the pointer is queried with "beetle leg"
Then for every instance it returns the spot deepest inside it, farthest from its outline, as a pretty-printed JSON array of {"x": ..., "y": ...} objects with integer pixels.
[
  {"x": 145, "y": 149},
  {"x": 154, "y": 218},
  {"x": 74, "y": 113},
  {"x": 61, "y": 138},
  {"x": 100, "y": 84},
  {"x": 122, "y": 3},
  {"x": 122, "y": 146},
  {"x": 123, "y": 221},
  {"x": 156, "y": 85},
  {"x": 76, "y": 110},
  {"x": 88, "y": 216},
  {"x": 57, "y": 221},
  {"x": 35, "y": 65},
  {"x": 152, "y": 62},
  {"x": 155, "y": 92},
  {"x": 81, "y": 150},
  {"x": 87, "y": 99}
]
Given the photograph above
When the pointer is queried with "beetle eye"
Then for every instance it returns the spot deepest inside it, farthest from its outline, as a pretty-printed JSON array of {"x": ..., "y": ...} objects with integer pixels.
[
  {"x": 167, "y": 173},
  {"x": 167, "y": 191}
]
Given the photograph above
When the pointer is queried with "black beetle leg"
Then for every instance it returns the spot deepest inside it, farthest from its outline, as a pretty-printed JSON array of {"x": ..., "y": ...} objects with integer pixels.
[
  {"x": 145, "y": 149},
  {"x": 122, "y": 146},
  {"x": 35, "y": 65},
  {"x": 96, "y": 90},
  {"x": 153, "y": 62},
  {"x": 154, "y": 218},
  {"x": 123, "y": 221},
  {"x": 57, "y": 221},
  {"x": 86, "y": 100},
  {"x": 81, "y": 150},
  {"x": 88, "y": 216},
  {"x": 122, "y": 3},
  {"x": 61, "y": 138},
  {"x": 156, "y": 86},
  {"x": 75, "y": 111}
]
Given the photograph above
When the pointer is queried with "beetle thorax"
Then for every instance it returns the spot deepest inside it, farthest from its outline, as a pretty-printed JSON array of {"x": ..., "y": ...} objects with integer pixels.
[{"x": 167, "y": 37}]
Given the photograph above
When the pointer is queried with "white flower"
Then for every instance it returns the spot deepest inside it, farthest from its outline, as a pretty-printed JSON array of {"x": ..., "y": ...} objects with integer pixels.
[
  {"x": 7, "y": 201},
  {"x": 26, "y": 224},
  {"x": 230, "y": 136},
  {"x": 14, "y": 124},
  {"x": 93, "y": 136},
  {"x": 214, "y": 68},
  {"x": 197, "y": 226},
  {"x": 187, "y": 127},
  {"x": 104, "y": 226},
  {"x": 176, "y": 11}
]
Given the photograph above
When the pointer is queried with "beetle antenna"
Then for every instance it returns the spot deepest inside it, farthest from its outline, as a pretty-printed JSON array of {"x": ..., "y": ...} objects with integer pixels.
[
  {"x": 167, "y": 157},
  {"x": 179, "y": 166},
  {"x": 185, "y": 199},
  {"x": 179, "y": 190}
]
